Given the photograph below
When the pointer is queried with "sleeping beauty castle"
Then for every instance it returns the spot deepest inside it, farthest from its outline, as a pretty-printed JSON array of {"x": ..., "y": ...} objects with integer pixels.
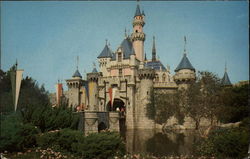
[{"x": 125, "y": 80}]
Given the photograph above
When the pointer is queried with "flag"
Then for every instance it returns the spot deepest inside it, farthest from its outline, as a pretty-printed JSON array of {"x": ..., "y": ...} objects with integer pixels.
[
  {"x": 110, "y": 96},
  {"x": 16, "y": 79}
]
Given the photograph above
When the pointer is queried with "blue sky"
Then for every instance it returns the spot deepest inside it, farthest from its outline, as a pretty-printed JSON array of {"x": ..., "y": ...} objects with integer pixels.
[{"x": 46, "y": 37}]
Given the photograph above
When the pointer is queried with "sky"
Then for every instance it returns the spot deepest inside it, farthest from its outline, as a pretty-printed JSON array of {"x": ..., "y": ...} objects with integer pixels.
[{"x": 47, "y": 36}]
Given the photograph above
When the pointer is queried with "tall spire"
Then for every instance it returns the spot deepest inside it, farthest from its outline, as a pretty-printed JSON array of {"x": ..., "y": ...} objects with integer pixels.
[
  {"x": 153, "y": 50},
  {"x": 125, "y": 32},
  {"x": 226, "y": 66},
  {"x": 137, "y": 11},
  {"x": 77, "y": 62},
  {"x": 225, "y": 81},
  {"x": 185, "y": 43}
]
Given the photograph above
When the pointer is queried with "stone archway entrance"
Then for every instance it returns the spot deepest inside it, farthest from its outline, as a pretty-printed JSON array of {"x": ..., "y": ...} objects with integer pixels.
[
  {"x": 101, "y": 126},
  {"x": 117, "y": 103}
]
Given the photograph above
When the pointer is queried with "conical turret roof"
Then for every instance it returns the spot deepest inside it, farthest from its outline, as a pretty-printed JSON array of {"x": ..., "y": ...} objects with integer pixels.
[
  {"x": 138, "y": 11},
  {"x": 94, "y": 70},
  {"x": 184, "y": 64},
  {"x": 225, "y": 80},
  {"x": 77, "y": 74},
  {"x": 106, "y": 52}
]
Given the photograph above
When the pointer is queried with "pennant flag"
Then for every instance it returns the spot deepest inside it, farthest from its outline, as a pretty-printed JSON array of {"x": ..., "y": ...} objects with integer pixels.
[
  {"x": 110, "y": 96},
  {"x": 13, "y": 84},
  {"x": 16, "y": 79},
  {"x": 19, "y": 75}
]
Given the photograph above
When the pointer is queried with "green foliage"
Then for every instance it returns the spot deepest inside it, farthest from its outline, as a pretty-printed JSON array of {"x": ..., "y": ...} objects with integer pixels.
[
  {"x": 102, "y": 145},
  {"x": 62, "y": 140},
  {"x": 30, "y": 93},
  {"x": 98, "y": 145},
  {"x": 224, "y": 143},
  {"x": 48, "y": 118},
  {"x": 151, "y": 110},
  {"x": 234, "y": 103},
  {"x": 16, "y": 136},
  {"x": 164, "y": 105}
]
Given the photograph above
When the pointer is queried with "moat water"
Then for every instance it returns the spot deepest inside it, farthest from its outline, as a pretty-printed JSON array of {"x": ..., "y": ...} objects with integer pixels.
[{"x": 158, "y": 143}]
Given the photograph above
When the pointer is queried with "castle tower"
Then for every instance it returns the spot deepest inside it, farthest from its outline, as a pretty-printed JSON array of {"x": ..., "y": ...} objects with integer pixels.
[
  {"x": 104, "y": 59},
  {"x": 74, "y": 86},
  {"x": 146, "y": 77},
  {"x": 93, "y": 90},
  {"x": 153, "y": 50},
  {"x": 185, "y": 72},
  {"x": 225, "y": 81},
  {"x": 138, "y": 36}
]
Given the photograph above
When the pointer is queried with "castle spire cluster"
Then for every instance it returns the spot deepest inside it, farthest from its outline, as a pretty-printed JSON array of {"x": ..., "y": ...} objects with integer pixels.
[{"x": 126, "y": 77}]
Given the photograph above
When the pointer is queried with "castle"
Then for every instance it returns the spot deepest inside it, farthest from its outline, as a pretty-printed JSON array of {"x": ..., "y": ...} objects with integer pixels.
[{"x": 126, "y": 78}]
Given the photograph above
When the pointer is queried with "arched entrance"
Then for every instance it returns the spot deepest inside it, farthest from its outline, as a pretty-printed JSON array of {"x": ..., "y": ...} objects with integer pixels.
[
  {"x": 101, "y": 126},
  {"x": 117, "y": 103}
]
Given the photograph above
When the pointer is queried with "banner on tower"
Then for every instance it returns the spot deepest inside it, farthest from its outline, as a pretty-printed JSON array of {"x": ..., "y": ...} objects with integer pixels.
[{"x": 16, "y": 79}]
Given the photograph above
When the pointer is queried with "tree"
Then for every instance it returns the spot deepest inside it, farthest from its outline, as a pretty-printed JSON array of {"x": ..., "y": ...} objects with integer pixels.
[{"x": 203, "y": 98}]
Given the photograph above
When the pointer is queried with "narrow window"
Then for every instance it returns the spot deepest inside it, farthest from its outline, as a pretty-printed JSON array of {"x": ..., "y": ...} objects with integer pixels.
[
  {"x": 119, "y": 57},
  {"x": 120, "y": 72}
]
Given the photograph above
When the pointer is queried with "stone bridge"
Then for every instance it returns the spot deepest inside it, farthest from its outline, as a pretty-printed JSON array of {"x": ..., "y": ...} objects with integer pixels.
[{"x": 95, "y": 121}]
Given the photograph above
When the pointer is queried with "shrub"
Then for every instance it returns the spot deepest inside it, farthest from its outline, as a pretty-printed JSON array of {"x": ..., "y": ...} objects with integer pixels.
[
  {"x": 224, "y": 143},
  {"x": 102, "y": 145},
  {"x": 98, "y": 145},
  {"x": 59, "y": 140},
  {"x": 16, "y": 136}
]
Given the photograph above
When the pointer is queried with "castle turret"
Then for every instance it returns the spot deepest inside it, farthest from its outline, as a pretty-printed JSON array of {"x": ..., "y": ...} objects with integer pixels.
[
  {"x": 225, "y": 81},
  {"x": 185, "y": 72},
  {"x": 138, "y": 36},
  {"x": 93, "y": 89},
  {"x": 104, "y": 59},
  {"x": 74, "y": 85},
  {"x": 146, "y": 77}
]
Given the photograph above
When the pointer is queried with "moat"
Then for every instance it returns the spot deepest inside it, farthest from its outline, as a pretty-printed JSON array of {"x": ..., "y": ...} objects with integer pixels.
[{"x": 160, "y": 143}]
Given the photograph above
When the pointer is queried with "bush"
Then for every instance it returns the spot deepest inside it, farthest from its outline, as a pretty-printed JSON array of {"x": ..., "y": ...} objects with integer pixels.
[
  {"x": 224, "y": 143},
  {"x": 103, "y": 145},
  {"x": 16, "y": 136},
  {"x": 60, "y": 140},
  {"x": 98, "y": 145}
]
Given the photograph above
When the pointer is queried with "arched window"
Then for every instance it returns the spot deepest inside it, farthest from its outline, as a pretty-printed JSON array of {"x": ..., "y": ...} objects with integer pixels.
[
  {"x": 164, "y": 77},
  {"x": 157, "y": 78}
]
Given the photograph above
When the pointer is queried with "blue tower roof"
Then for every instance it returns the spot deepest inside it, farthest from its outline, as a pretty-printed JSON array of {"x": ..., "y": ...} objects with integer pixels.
[
  {"x": 184, "y": 64},
  {"x": 106, "y": 52},
  {"x": 137, "y": 12},
  {"x": 156, "y": 65},
  {"x": 77, "y": 74},
  {"x": 94, "y": 70},
  {"x": 225, "y": 80},
  {"x": 127, "y": 48}
]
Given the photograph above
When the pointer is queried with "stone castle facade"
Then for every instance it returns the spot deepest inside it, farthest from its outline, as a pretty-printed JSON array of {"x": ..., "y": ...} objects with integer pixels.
[{"x": 126, "y": 78}]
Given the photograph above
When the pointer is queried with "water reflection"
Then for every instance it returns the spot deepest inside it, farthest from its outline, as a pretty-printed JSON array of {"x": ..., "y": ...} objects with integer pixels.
[{"x": 161, "y": 144}]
